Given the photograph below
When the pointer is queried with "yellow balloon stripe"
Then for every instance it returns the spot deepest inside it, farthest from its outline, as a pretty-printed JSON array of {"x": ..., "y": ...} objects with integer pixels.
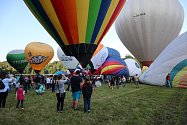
[
  {"x": 48, "y": 7},
  {"x": 111, "y": 67},
  {"x": 82, "y": 17},
  {"x": 109, "y": 14}
]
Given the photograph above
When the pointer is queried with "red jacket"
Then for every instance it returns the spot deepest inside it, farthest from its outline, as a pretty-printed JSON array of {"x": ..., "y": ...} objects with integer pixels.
[{"x": 20, "y": 94}]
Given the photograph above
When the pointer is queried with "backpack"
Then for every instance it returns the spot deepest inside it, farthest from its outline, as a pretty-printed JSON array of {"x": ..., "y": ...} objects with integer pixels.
[{"x": 2, "y": 85}]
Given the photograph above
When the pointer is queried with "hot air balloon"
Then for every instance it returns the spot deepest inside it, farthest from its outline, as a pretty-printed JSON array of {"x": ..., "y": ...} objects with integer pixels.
[
  {"x": 16, "y": 58},
  {"x": 146, "y": 27},
  {"x": 78, "y": 26},
  {"x": 110, "y": 52},
  {"x": 38, "y": 55},
  {"x": 133, "y": 66},
  {"x": 173, "y": 60},
  {"x": 99, "y": 56},
  {"x": 113, "y": 53},
  {"x": 69, "y": 62},
  {"x": 114, "y": 66}
]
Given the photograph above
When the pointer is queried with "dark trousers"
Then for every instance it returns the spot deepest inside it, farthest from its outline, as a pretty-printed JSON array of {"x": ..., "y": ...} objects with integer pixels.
[
  {"x": 53, "y": 87},
  {"x": 19, "y": 102},
  {"x": 60, "y": 101},
  {"x": 3, "y": 96},
  {"x": 87, "y": 104}
]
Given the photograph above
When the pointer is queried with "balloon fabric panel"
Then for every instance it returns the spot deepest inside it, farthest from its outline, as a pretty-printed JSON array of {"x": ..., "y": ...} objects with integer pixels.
[
  {"x": 82, "y": 21},
  {"x": 114, "y": 16}
]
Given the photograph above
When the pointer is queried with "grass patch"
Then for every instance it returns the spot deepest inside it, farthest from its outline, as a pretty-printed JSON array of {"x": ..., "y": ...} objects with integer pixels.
[{"x": 126, "y": 105}]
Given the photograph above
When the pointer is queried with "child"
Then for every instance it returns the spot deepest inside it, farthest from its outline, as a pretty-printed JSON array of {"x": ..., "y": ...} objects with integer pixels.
[
  {"x": 87, "y": 92},
  {"x": 20, "y": 93}
]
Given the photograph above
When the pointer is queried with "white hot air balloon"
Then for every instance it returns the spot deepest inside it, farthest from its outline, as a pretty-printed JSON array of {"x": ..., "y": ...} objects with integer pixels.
[
  {"x": 146, "y": 27},
  {"x": 133, "y": 66},
  {"x": 70, "y": 62},
  {"x": 173, "y": 60}
]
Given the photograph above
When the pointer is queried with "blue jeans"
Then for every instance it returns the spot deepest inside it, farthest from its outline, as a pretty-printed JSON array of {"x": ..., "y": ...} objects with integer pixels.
[
  {"x": 10, "y": 89},
  {"x": 87, "y": 104}
]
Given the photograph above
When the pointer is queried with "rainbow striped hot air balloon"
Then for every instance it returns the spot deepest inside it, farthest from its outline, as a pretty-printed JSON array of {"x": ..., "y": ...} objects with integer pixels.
[
  {"x": 78, "y": 26},
  {"x": 114, "y": 66}
]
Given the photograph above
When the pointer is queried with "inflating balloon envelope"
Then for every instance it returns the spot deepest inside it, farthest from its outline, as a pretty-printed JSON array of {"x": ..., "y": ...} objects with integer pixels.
[
  {"x": 38, "y": 55},
  {"x": 78, "y": 26},
  {"x": 16, "y": 58},
  {"x": 146, "y": 27}
]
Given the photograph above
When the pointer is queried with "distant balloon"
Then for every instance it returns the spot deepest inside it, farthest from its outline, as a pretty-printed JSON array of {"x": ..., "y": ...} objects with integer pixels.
[
  {"x": 133, "y": 66},
  {"x": 78, "y": 26},
  {"x": 146, "y": 27},
  {"x": 173, "y": 60},
  {"x": 16, "y": 58},
  {"x": 99, "y": 56},
  {"x": 38, "y": 55},
  {"x": 69, "y": 62}
]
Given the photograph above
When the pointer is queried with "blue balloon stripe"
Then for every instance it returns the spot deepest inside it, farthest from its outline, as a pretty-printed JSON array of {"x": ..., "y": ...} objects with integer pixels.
[
  {"x": 101, "y": 16},
  {"x": 46, "y": 19}
]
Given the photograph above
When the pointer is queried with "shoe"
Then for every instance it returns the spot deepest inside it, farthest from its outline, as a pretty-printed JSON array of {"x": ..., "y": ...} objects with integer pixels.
[
  {"x": 22, "y": 108},
  {"x": 88, "y": 111},
  {"x": 58, "y": 111},
  {"x": 75, "y": 108},
  {"x": 61, "y": 111},
  {"x": 17, "y": 109}
]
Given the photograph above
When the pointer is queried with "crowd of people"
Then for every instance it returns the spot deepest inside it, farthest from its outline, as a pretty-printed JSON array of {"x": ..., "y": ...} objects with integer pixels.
[{"x": 77, "y": 83}]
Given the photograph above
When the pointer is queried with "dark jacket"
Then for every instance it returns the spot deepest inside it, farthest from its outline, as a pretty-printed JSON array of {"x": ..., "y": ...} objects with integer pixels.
[{"x": 87, "y": 90}]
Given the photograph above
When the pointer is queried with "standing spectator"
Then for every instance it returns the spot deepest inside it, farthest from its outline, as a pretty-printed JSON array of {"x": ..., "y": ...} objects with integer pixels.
[
  {"x": 136, "y": 80},
  {"x": 54, "y": 82},
  {"x": 48, "y": 82},
  {"x": 17, "y": 84},
  {"x": 87, "y": 92},
  {"x": 76, "y": 89},
  {"x": 20, "y": 93},
  {"x": 4, "y": 92},
  {"x": 169, "y": 83},
  {"x": 112, "y": 82},
  {"x": 60, "y": 92}
]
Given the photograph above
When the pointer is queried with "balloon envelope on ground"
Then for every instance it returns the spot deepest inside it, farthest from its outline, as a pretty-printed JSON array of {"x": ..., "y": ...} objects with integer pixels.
[
  {"x": 78, "y": 26},
  {"x": 173, "y": 60},
  {"x": 146, "y": 27},
  {"x": 16, "y": 58},
  {"x": 99, "y": 56},
  {"x": 133, "y": 66},
  {"x": 113, "y": 52},
  {"x": 114, "y": 66},
  {"x": 38, "y": 55}
]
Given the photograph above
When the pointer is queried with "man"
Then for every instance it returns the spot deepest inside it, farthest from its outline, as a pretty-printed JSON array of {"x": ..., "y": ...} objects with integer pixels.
[
  {"x": 76, "y": 83},
  {"x": 136, "y": 80}
]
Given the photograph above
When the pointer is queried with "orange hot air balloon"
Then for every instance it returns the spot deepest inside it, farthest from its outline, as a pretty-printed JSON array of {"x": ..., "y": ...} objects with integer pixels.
[
  {"x": 78, "y": 26},
  {"x": 38, "y": 55}
]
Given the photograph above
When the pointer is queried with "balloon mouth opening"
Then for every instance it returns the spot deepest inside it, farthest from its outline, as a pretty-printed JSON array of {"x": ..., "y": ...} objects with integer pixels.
[{"x": 146, "y": 63}]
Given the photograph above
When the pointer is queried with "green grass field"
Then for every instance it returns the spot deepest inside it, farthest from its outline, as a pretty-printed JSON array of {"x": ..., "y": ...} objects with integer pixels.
[{"x": 146, "y": 105}]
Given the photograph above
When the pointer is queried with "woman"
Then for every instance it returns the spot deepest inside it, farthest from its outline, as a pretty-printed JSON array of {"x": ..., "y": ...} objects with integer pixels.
[{"x": 60, "y": 92}]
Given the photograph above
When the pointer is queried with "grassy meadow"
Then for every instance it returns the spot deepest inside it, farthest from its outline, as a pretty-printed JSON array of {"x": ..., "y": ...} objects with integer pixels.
[{"x": 146, "y": 105}]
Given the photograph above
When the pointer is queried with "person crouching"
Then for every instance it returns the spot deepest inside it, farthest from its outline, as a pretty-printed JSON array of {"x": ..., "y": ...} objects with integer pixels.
[
  {"x": 20, "y": 93},
  {"x": 87, "y": 92}
]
